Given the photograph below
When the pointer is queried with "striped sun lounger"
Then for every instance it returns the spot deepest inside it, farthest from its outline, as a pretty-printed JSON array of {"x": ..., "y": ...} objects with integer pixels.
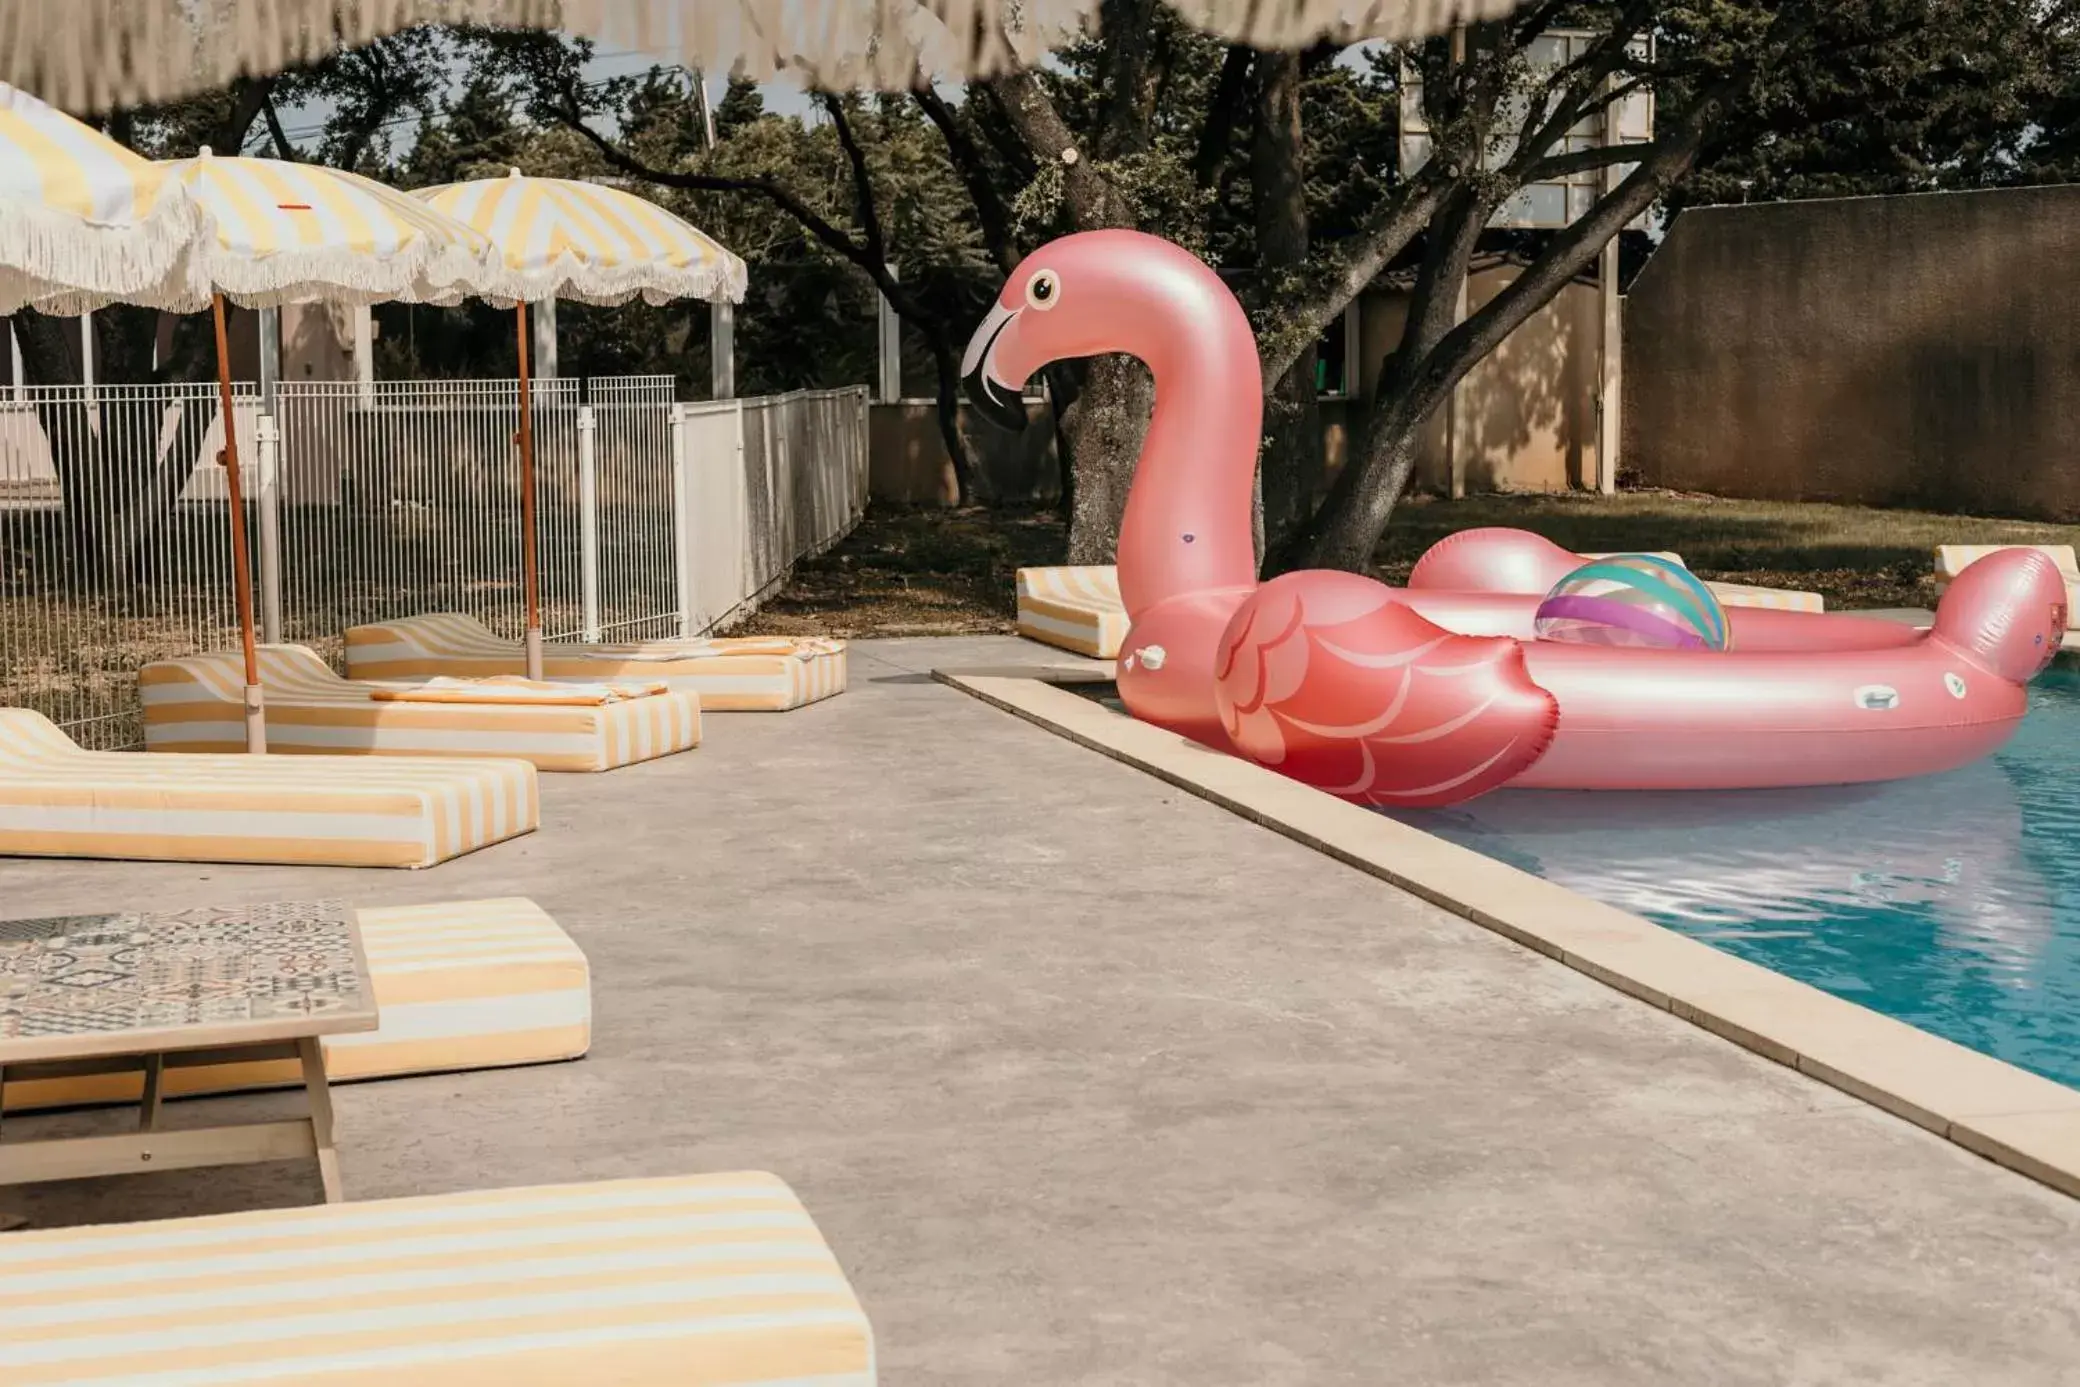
[
  {"x": 197, "y": 704},
  {"x": 467, "y": 985},
  {"x": 59, "y": 800},
  {"x": 1953, "y": 559},
  {"x": 731, "y": 674},
  {"x": 1073, "y": 608},
  {"x": 700, "y": 1281}
]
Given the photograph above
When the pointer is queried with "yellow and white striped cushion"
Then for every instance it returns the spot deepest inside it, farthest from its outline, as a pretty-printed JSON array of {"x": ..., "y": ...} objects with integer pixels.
[
  {"x": 198, "y": 704},
  {"x": 699, "y": 1281},
  {"x": 466, "y": 985},
  {"x": 1772, "y": 599},
  {"x": 1664, "y": 554},
  {"x": 732, "y": 674},
  {"x": 1074, "y": 607},
  {"x": 58, "y": 800},
  {"x": 1953, "y": 559}
]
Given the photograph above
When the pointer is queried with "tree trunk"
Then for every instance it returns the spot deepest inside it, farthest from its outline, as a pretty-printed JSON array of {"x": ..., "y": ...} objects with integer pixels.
[
  {"x": 969, "y": 485},
  {"x": 1064, "y": 389},
  {"x": 1105, "y": 427},
  {"x": 1292, "y": 465},
  {"x": 1345, "y": 533},
  {"x": 1107, "y": 422}
]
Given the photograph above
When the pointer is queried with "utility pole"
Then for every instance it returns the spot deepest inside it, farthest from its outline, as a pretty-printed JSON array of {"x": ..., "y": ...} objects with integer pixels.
[{"x": 722, "y": 316}]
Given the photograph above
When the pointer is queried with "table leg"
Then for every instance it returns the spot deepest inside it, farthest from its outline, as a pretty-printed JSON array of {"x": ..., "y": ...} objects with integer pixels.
[
  {"x": 8, "y": 1222},
  {"x": 313, "y": 1055},
  {"x": 148, "y": 1108}
]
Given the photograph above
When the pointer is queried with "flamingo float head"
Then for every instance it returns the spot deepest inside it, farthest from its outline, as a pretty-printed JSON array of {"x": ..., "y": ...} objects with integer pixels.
[{"x": 1086, "y": 295}]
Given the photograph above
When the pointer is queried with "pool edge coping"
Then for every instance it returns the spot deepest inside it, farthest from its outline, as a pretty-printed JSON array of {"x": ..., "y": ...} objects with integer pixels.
[{"x": 2019, "y": 1120}]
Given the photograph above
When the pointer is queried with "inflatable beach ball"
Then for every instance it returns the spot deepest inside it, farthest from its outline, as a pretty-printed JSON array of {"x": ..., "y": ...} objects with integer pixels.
[{"x": 1635, "y": 600}]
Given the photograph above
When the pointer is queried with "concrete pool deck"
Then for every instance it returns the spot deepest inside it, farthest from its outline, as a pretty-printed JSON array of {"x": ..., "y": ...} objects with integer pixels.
[{"x": 1090, "y": 1081}]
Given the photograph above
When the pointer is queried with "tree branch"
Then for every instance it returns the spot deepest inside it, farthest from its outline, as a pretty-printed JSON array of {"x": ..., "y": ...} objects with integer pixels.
[
  {"x": 283, "y": 150},
  {"x": 1217, "y": 135},
  {"x": 1601, "y": 156},
  {"x": 1433, "y": 305},
  {"x": 1363, "y": 257},
  {"x": 862, "y": 181},
  {"x": 1570, "y": 92},
  {"x": 1125, "y": 77},
  {"x": 1566, "y": 255},
  {"x": 968, "y": 162},
  {"x": 1094, "y": 203}
]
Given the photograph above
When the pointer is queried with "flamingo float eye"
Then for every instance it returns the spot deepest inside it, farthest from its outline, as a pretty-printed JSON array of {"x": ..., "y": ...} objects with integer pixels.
[{"x": 1043, "y": 290}]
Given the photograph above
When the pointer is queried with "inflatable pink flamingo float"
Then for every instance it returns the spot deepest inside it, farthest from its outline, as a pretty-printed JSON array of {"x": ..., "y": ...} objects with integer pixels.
[{"x": 1439, "y": 692}]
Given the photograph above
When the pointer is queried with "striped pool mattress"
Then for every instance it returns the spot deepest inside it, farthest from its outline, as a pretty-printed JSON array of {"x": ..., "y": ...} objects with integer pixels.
[
  {"x": 1953, "y": 559},
  {"x": 464, "y": 985},
  {"x": 702, "y": 1281},
  {"x": 198, "y": 704},
  {"x": 59, "y": 800},
  {"x": 732, "y": 674},
  {"x": 1073, "y": 608}
]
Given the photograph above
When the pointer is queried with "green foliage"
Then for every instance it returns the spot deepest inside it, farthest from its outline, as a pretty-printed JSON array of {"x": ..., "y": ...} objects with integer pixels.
[{"x": 1887, "y": 96}]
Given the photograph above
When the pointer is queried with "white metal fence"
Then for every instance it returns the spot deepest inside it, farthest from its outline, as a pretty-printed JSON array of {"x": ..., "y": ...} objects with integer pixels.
[{"x": 654, "y": 518}]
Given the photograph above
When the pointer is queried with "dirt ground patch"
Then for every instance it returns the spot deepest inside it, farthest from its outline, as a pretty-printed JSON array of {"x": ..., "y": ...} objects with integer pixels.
[{"x": 947, "y": 572}]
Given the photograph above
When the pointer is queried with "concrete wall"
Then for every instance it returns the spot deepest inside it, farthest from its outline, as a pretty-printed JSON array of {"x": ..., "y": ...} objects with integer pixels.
[
  {"x": 1905, "y": 351},
  {"x": 907, "y": 459},
  {"x": 1525, "y": 419}
]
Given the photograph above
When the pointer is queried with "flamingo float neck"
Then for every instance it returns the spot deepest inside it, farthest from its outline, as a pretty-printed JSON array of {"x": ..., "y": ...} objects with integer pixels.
[{"x": 1188, "y": 525}]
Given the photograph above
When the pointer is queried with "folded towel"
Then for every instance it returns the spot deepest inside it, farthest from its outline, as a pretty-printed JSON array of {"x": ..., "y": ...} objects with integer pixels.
[
  {"x": 718, "y": 647},
  {"x": 511, "y": 688}
]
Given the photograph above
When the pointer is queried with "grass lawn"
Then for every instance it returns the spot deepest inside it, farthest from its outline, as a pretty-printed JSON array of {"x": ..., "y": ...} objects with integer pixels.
[{"x": 932, "y": 572}]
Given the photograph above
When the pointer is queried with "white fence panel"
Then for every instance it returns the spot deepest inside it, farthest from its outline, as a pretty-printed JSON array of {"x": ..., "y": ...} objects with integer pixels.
[
  {"x": 367, "y": 502},
  {"x": 636, "y": 534},
  {"x": 719, "y": 517},
  {"x": 116, "y": 541},
  {"x": 404, "y": 497}
]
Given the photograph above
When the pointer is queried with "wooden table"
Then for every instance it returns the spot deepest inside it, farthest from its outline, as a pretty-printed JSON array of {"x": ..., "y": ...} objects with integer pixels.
[{"x": 159, "y": 990}]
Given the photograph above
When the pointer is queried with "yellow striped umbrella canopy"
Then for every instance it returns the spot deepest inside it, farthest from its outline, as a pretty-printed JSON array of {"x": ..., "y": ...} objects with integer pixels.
[
  {"x": 83, "y": 221},
  {"x": 285, "y": 233},
  {"x": 558, "y": 238}
]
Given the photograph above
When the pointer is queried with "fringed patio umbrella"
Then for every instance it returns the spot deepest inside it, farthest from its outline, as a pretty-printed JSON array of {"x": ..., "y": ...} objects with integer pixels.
[
  {"x": 83, "y": 221},
  {"x": 287, "y": 233},
  {"x": 557, "y": 238},
  {"x": 95, "y": 54}
]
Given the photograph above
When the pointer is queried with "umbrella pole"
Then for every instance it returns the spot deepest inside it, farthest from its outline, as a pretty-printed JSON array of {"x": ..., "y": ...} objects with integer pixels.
[
  {"x": 529, "y": 576},
  {"x": 241, "y": 574}
]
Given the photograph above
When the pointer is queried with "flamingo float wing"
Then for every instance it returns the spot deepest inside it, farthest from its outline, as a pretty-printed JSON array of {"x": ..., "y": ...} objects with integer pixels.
[{"x": 1326, "y": 678}]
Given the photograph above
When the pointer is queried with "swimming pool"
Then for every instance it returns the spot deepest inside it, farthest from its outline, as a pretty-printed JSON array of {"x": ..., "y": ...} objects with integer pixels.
[{"x": 1951, "y": 902}]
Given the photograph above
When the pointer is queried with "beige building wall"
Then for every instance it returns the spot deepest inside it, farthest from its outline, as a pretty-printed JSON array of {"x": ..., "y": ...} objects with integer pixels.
[{"x": 1524, "y": 419}]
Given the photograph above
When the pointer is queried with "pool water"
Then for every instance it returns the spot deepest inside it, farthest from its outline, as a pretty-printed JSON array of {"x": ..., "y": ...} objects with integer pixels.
[{"x": 1951, "y": 902}]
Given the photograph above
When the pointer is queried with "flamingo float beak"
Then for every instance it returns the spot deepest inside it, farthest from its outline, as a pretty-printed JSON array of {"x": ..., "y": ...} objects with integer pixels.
[{"x": 1000, "y": 401}]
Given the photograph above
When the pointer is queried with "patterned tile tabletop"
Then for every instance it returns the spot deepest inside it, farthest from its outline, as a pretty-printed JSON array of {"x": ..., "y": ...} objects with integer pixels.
[{"x": 77, "y": 986}]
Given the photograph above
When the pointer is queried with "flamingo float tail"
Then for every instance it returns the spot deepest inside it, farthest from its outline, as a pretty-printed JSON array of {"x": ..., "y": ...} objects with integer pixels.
[{"x": 1326, "y": 678}]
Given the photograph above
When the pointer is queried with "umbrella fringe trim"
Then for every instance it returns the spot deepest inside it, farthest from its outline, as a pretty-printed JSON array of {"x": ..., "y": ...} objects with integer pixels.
[{"x": 61, "y": 263}]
